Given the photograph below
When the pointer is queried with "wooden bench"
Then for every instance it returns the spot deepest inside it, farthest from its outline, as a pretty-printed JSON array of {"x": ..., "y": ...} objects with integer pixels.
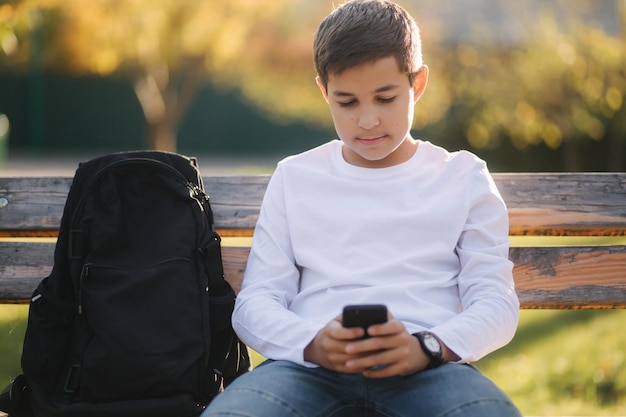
[
  {"x": 587, "y": 207},
  {"x": 590, "y": 206}
]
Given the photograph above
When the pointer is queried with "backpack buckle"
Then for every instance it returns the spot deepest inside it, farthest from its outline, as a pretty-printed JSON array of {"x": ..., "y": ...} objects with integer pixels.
[{"x": 71, "y": 381}]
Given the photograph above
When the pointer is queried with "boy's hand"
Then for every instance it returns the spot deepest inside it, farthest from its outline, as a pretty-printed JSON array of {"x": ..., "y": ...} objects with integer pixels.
[
  {"x": 328, "y": 348},
  {"x": 389, "y": 351}
]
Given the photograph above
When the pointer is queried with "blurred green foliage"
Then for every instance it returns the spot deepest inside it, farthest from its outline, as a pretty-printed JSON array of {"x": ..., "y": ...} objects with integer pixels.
[{"x": 525, "y": 74}]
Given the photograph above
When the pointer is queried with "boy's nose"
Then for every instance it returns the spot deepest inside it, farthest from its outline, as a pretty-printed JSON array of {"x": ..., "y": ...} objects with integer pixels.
[{"x": 367, "y": 121}]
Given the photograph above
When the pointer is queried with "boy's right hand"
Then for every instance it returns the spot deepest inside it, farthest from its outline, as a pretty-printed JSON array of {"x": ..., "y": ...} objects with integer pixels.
[{"x": 328, "y": 348}]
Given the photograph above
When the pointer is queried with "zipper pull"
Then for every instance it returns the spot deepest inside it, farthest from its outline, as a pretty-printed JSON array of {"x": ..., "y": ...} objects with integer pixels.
[{"x": 199, "y": 195}]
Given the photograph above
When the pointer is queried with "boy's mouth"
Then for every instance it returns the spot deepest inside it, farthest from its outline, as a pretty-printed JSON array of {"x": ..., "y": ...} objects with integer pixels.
[{"x": 374, "y": 140}]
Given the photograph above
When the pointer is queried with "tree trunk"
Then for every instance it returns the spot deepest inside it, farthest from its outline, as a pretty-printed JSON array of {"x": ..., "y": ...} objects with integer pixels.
[
  {"x": 161, "y": 136},
  {"x": 165, "y": 97}
]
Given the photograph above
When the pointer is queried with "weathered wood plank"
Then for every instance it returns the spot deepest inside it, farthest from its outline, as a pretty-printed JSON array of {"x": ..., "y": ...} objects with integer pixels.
[
  {"x": 565, "y": 204},
  {"x": 24, "y": 264},
  {"x": 236, "y": 200},
  {"x": 31, "y": 203},
  {"x": 550, "y": 277},
  {"x": 234, "y": 260},
  {"x": 570, "y": 277},
  {"x": 36, "y": 204},
  {"x": 539, "y": 204}
]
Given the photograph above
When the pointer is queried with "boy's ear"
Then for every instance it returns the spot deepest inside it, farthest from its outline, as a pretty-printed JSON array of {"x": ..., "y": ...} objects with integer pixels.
[
  {"x": 318, "y": 80},
  {"x": 419, "y": 84}
]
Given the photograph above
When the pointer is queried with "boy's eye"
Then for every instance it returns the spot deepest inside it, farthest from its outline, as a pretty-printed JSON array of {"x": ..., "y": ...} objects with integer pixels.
[{"x": 383, "y": 100}]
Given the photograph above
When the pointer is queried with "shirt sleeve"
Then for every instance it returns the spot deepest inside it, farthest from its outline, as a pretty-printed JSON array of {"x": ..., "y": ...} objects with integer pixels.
[
  {"x": 485, "y": 282},
  {"x": 262, "y": 318}
]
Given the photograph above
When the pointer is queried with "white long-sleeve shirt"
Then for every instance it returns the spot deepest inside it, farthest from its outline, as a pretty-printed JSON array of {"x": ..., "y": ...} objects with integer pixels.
[{"x": 428, "y": 238}]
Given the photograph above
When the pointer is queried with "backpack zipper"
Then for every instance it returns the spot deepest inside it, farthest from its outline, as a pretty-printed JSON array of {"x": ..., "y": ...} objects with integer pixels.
[{"x": 190, "y": 186}]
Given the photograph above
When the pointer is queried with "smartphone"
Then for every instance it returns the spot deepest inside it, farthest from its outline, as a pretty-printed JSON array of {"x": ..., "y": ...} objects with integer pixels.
[{"x": 364, "y": 315}]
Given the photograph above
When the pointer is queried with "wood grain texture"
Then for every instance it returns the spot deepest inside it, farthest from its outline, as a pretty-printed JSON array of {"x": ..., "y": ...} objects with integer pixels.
[
  {"x": 25, "y": 264},
  {"x": 565, "y": 204},
  {"x": 35, "y": 204},
  {"x": 570, "y": 277},
  {"x": 539, "y": 204},
  {"x": 550, "y": 277}
]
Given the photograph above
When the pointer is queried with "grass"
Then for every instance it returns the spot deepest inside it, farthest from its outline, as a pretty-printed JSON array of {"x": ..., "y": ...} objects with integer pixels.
[
  {"x": 564, "y": 363},
  {"x": 12, "y": 329},
  {"x": 559, "y": 363}
]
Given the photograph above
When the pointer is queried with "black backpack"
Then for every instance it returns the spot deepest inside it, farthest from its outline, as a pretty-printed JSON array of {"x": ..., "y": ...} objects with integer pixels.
[{"x": 134, "y": 319}]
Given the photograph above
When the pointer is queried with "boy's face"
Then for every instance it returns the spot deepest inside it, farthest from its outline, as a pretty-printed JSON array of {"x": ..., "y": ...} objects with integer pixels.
[{"x": 372, "y": 109}]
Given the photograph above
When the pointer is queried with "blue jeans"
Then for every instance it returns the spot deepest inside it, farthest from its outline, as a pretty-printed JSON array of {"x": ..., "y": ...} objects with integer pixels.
[{"x": 285, "y": 389}]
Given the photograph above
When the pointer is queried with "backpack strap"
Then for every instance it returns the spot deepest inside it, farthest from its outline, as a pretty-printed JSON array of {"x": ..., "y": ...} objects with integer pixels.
[
  {"x": 76, "y": 249},
  {"x": 218, "y": 286}
]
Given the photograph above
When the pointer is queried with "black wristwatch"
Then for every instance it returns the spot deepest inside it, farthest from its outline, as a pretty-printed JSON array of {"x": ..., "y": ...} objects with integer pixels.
[{"x": 431, "y": 347}]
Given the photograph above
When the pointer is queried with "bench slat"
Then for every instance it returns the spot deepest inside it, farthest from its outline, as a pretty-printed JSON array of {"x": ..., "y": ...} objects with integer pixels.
[
  {"x": 565, "y": 204},
  {"x": 32, "y": 203},
  {"x": 560, "y": 204},
  {"x": 25, "y": 264},
  {"x": 35, "y": 205},
  {"x": 570, "y": 277},
  {"x": 549, "y": 277}
]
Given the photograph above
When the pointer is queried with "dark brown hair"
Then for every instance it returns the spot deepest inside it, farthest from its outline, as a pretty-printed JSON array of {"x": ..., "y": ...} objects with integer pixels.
[{"x": 361, "y": 31}]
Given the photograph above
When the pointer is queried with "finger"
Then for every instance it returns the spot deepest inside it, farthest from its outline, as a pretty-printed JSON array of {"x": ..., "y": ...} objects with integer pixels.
[
  {"x": 386, "y": 329},
  {"x": 378, "y": 351},
  {"x": 364, "y": 362},
  {"x": 338, "y": 363},
  {"x": 399, "y": 361},
  {"x": 382, "y": 371},
  {"x": 336, "y": 330},
  {"x": 375, "y": 344}
]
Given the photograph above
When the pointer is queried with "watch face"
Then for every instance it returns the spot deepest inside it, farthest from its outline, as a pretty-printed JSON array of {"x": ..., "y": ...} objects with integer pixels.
[{"x": 432, "y": 344}]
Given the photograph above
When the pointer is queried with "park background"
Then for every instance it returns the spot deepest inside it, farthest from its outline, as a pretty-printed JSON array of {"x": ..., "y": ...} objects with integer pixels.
[{"x": 537, "y": 85}]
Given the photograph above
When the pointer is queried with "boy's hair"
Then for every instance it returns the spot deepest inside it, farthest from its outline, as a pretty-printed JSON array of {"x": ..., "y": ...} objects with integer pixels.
[{"x": 364, "y": 31}]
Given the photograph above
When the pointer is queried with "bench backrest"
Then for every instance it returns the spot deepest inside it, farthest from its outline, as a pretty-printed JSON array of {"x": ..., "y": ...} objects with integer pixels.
[{"x": 591, "y": 206}]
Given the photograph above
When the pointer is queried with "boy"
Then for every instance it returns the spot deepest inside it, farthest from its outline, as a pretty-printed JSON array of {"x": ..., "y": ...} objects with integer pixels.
[{"x": 376, "y": 217}]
